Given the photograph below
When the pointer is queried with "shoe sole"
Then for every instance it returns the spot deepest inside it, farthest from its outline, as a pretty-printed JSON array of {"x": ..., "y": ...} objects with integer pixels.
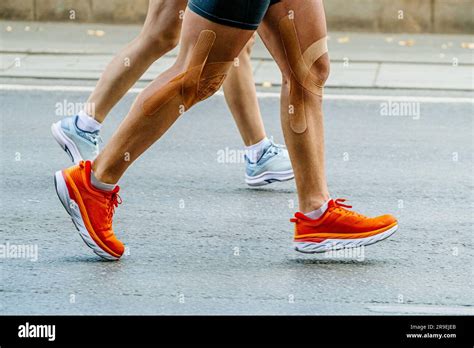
[
  {"x": 74, "y": 212},
  {"x": 66, "y": 143},
  {"x": 337, "y": 244},
  {"x": 269, "y": 177}
]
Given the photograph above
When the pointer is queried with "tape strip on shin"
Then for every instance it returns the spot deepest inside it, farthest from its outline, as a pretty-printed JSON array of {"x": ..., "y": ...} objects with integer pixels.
[
  {"x": 198, "y": 82},
  {"x": 302, "y": 80}
]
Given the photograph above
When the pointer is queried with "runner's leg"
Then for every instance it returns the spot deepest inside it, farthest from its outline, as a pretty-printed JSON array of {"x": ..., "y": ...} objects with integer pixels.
[
  {"x": 307, "y": 148},
  {"x": 159, "y": 35},
  {"x": 265, "y": 161},
  {"x": 240, "y": 94},
  {"x": 139, "y": 131},
  {"x": 295, "y": 33}
]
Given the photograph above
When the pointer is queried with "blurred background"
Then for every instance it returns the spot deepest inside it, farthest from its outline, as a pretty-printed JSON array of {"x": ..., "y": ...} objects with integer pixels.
[
  {"x": 399, "y": 122},
  {"x": 421, "y": 16}
]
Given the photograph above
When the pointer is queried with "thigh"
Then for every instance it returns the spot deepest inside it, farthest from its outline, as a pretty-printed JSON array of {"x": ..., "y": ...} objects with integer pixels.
[
  {"x": 229, "y": 41},
  {"x": 206, "y": 52}
]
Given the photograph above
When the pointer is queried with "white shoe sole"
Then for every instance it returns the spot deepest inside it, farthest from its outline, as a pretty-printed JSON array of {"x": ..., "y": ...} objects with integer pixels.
[
  {"x": 336, "y": 244},
  {"x": 268, "y": 177},
  {"x": 73, "y": 210},
  {"x": 66, "y": 143}
]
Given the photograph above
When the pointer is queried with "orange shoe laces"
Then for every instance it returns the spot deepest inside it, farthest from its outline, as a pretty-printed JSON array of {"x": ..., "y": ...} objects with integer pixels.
[
  {"x": 338, "y": 205},
  {"x": 112, "y": 203},
  {"x": 112, "y": 198},
  {"x": 339, "y": 201},
  {"x": 343, "y": 207}
]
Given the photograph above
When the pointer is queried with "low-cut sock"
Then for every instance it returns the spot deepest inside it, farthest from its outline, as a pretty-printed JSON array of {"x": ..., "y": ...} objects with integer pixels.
[
  {"x": 316, "y": 214},
  {"x": 255, "y": 151},
  {"x": 100, "y": 185},
  {"x": 87, "y": 123}
]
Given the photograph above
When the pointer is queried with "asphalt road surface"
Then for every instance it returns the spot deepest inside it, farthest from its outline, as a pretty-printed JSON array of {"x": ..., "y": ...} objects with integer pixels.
[{"x": 201, "y": 242}]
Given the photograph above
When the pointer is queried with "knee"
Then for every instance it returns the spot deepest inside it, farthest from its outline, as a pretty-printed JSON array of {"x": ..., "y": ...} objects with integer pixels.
[
  {"x": 160, "y": 40},
  {"x": 320, "y": 69},
  {"x": 209, "y": 86}
]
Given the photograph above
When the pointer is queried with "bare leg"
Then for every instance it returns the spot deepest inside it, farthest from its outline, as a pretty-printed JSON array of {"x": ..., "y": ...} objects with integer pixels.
[
  {"x": 158, "y": 36},
  {"x": 306, "y": 149},
  {"x": 139, "y": 131},
  {"x": 240, "y": 94}
]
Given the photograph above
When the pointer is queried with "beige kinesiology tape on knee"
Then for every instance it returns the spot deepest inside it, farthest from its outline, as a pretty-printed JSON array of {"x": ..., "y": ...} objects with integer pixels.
[
  {"x": 198, "y": 82},
  {"x": 302, "y": 80}
]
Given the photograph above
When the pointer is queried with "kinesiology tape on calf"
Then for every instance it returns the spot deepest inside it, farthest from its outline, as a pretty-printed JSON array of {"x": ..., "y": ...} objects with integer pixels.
[
  {"x": 199, "y": 81},
  {"x": 302, "y": 80}
]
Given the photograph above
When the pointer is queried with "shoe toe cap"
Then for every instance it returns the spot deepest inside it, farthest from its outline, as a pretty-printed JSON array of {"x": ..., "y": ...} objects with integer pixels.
[
  {"x": 387, "y": 220},
  {"x": 115, "y": 246}
]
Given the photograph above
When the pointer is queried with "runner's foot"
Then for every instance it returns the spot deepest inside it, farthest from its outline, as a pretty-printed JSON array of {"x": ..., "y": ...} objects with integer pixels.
[
  {"x": 273, "y": 165},
  {"x": 340, "y": 228},
  {"x": 78, "y": 144},
  {"x": 91, "y": 209}
]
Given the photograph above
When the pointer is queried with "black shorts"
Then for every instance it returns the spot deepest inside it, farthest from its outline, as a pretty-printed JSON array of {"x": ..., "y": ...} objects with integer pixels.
[{"x": 243, "y": 14}]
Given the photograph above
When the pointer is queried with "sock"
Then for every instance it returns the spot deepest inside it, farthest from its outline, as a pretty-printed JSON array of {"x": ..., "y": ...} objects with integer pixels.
[
  {"x": 316, "y": 214},
  {"x": 255, "y": 151},
  {"x": 87, "y": 123},
  {"x": 99, "y": 184}
]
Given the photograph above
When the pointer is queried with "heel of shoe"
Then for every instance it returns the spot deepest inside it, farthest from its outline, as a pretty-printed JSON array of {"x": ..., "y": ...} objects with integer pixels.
[
  {"x": 62, "y": 191},
  {"x": 66, "y": 144}
]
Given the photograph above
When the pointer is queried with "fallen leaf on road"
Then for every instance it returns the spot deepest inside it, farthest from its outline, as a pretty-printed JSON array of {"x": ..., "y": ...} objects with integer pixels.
[
  {"x": 97, "y": 33},
  {"x": 407, "y": 43},
  {"x": 344, "y": 39}
]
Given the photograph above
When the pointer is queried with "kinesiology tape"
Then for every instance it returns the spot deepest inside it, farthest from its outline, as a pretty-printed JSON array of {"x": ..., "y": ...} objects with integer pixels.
[
  {"x": 198, "y": 82},
  {"x": 302, "y": 80}
]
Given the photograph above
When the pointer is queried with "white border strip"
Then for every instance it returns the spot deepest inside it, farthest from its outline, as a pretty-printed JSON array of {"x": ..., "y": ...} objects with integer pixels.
[{"x": 351, "y": 97}]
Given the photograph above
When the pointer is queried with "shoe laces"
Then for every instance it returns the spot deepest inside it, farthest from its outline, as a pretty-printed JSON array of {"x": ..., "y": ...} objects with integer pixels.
[
  {"x": 113, "y": 202},
  {"x": 339, "y": 205},
  {"x": 112, "y": 198},
  {"x": 336, "y": 205},
  {"x": 96, "y": 139},
  {"x": 274, "y": 149}
]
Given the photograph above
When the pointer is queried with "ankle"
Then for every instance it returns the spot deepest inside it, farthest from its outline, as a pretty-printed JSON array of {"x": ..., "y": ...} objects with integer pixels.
[
  {"x": 103, "y": 176},
  {"x": 313, "y": 203},
  {"x": 254, "y": 140},
  {"x": 255, "y": 151}
]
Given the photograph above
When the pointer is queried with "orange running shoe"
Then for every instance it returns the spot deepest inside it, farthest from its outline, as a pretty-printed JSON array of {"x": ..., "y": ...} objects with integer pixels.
[
  {"x": 91, "y": 209},
  {"x": 339, "y": 228}
]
